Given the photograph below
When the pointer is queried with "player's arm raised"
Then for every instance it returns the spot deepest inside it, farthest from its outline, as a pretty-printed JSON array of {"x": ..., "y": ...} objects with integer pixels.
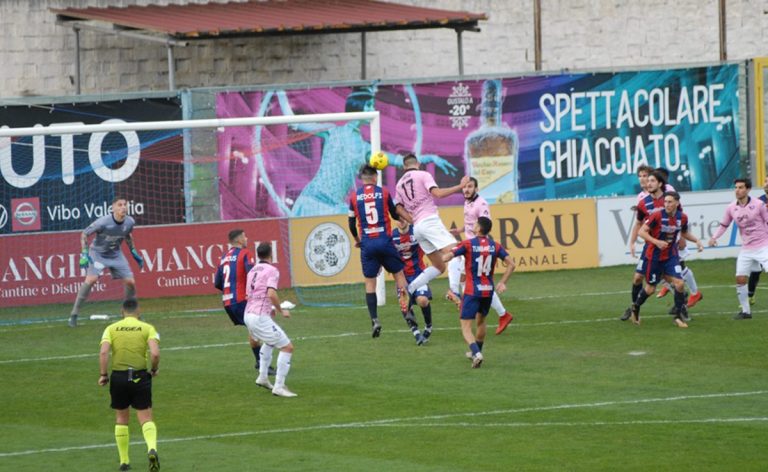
[{"x": 438, "y": 192}]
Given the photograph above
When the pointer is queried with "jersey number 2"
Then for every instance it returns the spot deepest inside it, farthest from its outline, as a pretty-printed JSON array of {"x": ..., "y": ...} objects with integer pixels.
[{"x": 226, "y": 269}]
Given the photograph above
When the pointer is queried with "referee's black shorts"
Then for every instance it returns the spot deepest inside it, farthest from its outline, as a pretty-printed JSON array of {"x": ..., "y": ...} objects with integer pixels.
[{"x": 130, "y": 389}]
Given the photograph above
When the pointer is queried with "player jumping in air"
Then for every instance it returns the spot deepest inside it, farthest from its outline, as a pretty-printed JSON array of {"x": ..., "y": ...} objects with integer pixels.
[
  {"x": 371, "y": 210},
  {"x": 416, "y": 192}
]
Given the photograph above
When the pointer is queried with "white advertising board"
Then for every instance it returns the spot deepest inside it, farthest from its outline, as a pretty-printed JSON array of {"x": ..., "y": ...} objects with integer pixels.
[{"x": 704, "y": 209}]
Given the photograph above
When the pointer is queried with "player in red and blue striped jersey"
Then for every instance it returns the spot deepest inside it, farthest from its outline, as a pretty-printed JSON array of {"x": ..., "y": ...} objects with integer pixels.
[
  {"x": 231, "y": 278},
  {"x": 371, "y": 211},
  {"x": 480, "y": 256},
  {"x": 661, "y": 255},
  {"x": 413, "y": 258}
]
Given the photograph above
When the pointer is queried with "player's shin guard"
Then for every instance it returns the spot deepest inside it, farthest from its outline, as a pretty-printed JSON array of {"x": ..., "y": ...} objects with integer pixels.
[
  {"x": 423, "y": 279},
  {"x": 496, "y": 304},
  {"x": 82, "y": 295},
  {"x": 123, "y": 441},
  {"x": 283, "y": 367},
  {"x": 454, "y": 274},
  {"x": 372, "y": 303},
  {"x": 265, "y": 361},
  {"x": 636, "y": 289},
  {"x": 690, "y": 280},
  {"x": 149, "y": 430},
  {"x": 741, "y": 293}
]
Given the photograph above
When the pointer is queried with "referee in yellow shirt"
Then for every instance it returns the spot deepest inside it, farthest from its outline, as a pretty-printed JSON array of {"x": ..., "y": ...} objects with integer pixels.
[{"x": 130, "y": 382}]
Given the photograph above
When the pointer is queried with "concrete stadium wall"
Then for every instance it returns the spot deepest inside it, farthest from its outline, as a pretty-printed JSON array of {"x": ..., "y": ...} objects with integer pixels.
[{"x": 38, "y": 55}]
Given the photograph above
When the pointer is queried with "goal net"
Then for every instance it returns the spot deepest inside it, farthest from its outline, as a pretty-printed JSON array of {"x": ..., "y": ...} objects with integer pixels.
[{"x": 187, "y": 183}]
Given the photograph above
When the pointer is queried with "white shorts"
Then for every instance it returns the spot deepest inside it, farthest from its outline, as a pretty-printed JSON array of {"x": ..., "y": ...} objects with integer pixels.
[
  {"x": 264, "y": 328},
  {"x": 432, "y": 235},
  {"x": 750, "y": 260}
]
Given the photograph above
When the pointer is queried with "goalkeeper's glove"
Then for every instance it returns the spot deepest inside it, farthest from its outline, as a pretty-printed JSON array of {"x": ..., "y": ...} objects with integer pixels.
[
  {"x": 85, "y": 259},
  {"x": 138, "y": 258}
]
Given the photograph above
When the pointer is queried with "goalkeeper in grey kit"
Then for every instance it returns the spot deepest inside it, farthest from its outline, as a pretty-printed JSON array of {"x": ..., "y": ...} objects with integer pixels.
[{"x": 105, "y": 253}]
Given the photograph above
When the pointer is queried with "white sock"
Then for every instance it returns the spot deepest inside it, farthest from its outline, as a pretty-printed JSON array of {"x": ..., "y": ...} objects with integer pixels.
[
  {"x": 690, "y": 280},
  {"x": 423, "y": 279},
  {"x": 283, "y": 366},
  {"x": 265, "y": 359},
  {"x": 454, "y": 274},
  {"x": 496, "y": 304},
  {"x": 743, "y": 294}
]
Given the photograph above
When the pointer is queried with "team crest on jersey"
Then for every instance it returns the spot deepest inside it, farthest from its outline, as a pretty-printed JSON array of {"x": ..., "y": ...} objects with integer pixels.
[{"x": 327, "y": 249}]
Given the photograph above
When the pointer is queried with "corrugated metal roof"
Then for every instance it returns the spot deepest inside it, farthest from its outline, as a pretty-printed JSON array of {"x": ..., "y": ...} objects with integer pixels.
[{"x": 273, "y": 17}]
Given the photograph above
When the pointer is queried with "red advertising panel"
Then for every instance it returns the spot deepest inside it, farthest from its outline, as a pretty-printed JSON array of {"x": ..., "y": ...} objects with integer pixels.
[{"x": 180, "y": 260}]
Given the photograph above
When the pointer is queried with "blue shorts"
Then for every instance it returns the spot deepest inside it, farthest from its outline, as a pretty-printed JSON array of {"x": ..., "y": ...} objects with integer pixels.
[
  {"x": 236, "y": 312},
  {"x": 471, "y": 305},
  {"x": 374, "y": 255},
  {"x": 423, "y": 291},
  {"x": 654, "y": 271}
]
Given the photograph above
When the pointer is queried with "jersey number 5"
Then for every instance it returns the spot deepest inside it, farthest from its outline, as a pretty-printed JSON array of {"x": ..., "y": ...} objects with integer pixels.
[{"x": 371, "y": 214}]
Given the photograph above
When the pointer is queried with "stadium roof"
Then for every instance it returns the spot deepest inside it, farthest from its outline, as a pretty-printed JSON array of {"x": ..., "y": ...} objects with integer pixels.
[
  {"x": 272, "y": 17},
  {"x": 177, "y": 25}
]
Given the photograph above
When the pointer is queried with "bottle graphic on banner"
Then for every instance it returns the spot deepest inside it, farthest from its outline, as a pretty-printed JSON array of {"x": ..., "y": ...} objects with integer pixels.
[{"x": 490, "y": 152}]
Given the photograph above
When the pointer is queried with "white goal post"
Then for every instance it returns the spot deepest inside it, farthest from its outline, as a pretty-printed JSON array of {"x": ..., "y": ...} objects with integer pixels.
[{"x": 116, "y": 125}]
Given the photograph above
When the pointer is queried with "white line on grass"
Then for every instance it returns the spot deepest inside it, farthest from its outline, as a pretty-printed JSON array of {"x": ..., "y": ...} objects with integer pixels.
[
  {"x": 206, "y": 312},
  {"x": 400, "y": 422},
  {"x": 366, "y": 333}
]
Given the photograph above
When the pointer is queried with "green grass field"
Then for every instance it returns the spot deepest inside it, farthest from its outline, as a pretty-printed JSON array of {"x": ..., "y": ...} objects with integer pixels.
[{"x": 567, "y": 387}]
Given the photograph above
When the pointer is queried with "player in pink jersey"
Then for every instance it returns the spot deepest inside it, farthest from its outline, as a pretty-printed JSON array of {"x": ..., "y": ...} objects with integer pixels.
[
  {"x": 416, "y": 192},
  {"x": 261, "y": 290},
  {"x": 751, "y": 217},
  {"x": 230, "y": 279},
  {"x": 475, "y": 206}
]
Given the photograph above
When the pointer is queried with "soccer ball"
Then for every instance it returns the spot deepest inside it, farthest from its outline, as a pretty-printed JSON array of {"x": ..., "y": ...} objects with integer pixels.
[{"x": 378, "y": 160}]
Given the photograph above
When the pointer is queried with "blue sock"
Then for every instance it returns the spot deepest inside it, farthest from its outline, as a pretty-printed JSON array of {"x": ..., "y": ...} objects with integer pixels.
[
  {"x": 474, "y": 348},
  {"x": 371, "y": 301}
]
